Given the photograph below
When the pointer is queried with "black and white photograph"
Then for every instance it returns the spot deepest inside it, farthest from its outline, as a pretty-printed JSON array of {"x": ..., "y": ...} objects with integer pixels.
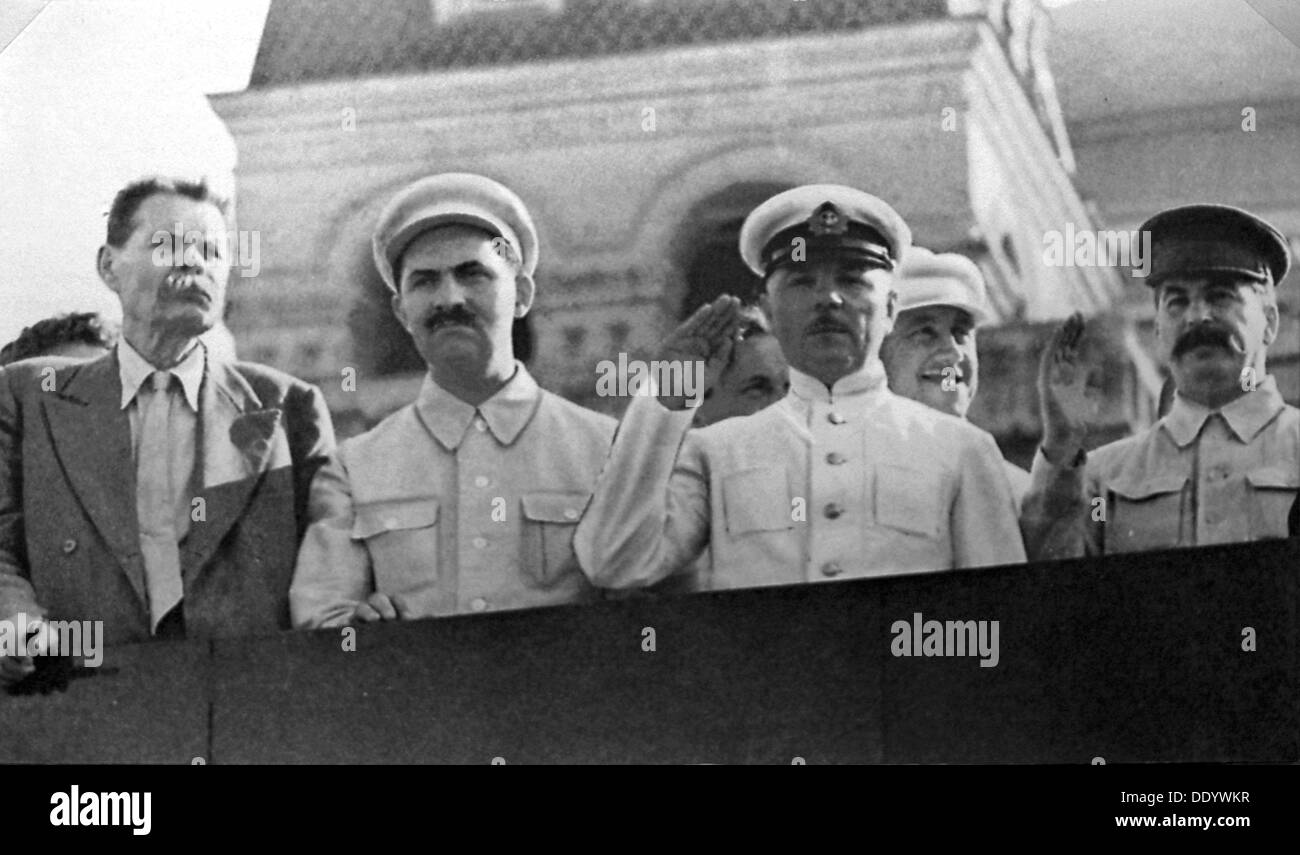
[{"x": 898, "y": 383}]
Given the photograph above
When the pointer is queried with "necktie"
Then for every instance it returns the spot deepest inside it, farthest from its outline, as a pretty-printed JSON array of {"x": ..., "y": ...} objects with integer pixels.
[{"x": 155, "y": 503}]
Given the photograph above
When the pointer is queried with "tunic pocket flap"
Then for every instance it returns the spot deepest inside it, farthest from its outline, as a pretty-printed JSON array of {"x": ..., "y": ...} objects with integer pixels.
[
  {"x": 1139, "y": 489},
  {"x": 379, "y": 517},
  {"x": 1276, "y": 477},
  {"x": 555, "y": 507}
]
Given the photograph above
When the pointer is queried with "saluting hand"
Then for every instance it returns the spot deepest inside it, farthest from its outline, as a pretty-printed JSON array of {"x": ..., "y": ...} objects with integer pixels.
[
  {"x": 706, "y": 336},
  {"x": 1065, "y": 406}
]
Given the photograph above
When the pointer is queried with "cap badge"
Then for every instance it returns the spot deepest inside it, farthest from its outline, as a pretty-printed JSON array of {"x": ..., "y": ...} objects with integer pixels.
[{"x": 827, "y": 220}]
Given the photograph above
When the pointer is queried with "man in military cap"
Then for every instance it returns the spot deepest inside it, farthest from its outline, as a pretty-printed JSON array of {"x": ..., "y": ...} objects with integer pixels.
[
  {"x": 1224, "y": 464},
  {"x": 930, "y": 355},
  {"x": 467, "y": 499},
  {"x": 841, "y": 478}
]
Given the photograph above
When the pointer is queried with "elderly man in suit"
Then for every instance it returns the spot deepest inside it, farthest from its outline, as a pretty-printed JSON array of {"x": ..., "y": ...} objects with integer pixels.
[
  {"x": 840, "y": 479},
  {"x": 466, "y": 500},
  {"x": 155, "y": 488}
]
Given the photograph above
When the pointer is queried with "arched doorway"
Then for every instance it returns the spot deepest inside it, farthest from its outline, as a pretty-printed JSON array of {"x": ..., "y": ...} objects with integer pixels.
[{"x": 709, "y": 254}]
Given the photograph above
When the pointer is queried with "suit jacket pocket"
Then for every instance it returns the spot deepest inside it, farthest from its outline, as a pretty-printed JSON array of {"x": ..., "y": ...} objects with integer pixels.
[
  {"x": 550, "y": 520},
  {"x": 1145, "y": 513},
  {"x": 401, "y": 537},
  {"x": 756, "y": 500}
]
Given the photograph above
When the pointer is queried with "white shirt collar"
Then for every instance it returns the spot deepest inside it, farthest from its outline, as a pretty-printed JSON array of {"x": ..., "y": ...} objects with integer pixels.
[{"x": 134, "y": 370}]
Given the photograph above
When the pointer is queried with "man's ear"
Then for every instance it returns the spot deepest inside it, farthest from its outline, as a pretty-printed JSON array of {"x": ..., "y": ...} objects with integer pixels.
[
  {"x": 1272, "y": 321},
  {"x": 399, "y": 310},
  {"x": 104, "y": 267},
  {"x": 525, "y": 291}
]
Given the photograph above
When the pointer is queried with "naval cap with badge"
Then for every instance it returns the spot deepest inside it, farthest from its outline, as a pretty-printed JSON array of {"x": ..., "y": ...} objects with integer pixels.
[
  {"x": 928, "y": 278},
  {"x": 827, "y": 218},
  {"x": 1199, "y": 239},
  {"x": 461, "y": 198}
]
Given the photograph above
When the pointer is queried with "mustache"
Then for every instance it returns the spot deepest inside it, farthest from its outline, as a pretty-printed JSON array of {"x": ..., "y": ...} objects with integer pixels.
[
  {"x": 454, "y": 315},
  {"x": 1208, "y": 333},
  {"x": 187, "y": 279},
  {"x": 828, "y": 323}
]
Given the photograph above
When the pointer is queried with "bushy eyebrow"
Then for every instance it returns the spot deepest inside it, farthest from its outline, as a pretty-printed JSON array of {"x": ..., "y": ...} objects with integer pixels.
[{"x": 471, "y": 266}]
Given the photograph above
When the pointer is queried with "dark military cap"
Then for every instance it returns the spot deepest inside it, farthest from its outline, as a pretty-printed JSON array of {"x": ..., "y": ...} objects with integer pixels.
[{"x": 1199, "y": 239}]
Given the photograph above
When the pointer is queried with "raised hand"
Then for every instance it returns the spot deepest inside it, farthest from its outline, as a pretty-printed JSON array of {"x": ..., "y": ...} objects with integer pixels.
[
  {"x": 1065, "y": 406},
  {"x": 706, "y": 336}
]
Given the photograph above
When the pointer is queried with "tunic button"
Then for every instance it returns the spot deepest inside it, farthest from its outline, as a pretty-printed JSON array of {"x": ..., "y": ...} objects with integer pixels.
[
  {"x": 570, "y": 513},
  {"x": 480, "y": 542},
  {"x": 69, "y": 545},
  {"x": 835, "y": 418},
  {"x": 830, "y": 568},
  {"x": 481, "y": 481},
  {"x": 478, "y": 604},
  {"x": 480, "y": 425},
  {"x": 835, "y": 458},
  {"x": 833, "y": 511}
]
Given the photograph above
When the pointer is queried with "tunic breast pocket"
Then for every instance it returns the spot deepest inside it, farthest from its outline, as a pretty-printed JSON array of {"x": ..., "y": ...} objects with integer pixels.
[
  {"x": 1273, "y": 490},
  {"x": 550, "y": 520},
  {"x": 911, "y": 500},
  {"x": 1146, "y": 513},
  {"x": 756, "y": 500},
  {"x": 402, "y": 539}
]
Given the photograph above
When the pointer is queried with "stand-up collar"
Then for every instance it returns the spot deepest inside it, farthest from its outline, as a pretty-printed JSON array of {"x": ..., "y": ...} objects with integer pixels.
[
  {"x": 1246, "y": 415},
  {"x": 506, "y": 413},
  {"x": 869, "y": 378}
]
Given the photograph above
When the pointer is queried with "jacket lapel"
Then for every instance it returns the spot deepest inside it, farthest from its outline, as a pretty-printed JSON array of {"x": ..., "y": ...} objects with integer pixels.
[
  {"x": 91, "y": 435},
  {"x": 239, "y": 442}
]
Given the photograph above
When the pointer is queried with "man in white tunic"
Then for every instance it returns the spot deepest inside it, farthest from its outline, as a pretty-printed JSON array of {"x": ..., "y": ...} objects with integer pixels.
[{"x": 840, "y": 479}]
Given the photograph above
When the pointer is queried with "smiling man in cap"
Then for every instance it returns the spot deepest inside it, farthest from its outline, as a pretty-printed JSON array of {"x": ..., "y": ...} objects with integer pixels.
[
  {"x": 841, "y": 478},
  {"x": 467, "y": 499},
  {"x": 930, "y": 355},
  {"x": 1223, "y": 465}
]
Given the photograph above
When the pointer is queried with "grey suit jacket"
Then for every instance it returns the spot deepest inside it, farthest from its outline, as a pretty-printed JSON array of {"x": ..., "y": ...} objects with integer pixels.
[{"x": 69, "y": 542}]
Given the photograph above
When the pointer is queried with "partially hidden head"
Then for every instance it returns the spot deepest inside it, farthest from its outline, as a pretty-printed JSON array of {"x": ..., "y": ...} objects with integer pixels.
[
  {"x": 930, "y": 356},
  {"x": 754, "y": 377}
]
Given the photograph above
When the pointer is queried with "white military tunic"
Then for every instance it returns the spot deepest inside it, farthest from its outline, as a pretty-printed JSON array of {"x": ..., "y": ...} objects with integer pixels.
[{"x": 825, "y": 484}]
